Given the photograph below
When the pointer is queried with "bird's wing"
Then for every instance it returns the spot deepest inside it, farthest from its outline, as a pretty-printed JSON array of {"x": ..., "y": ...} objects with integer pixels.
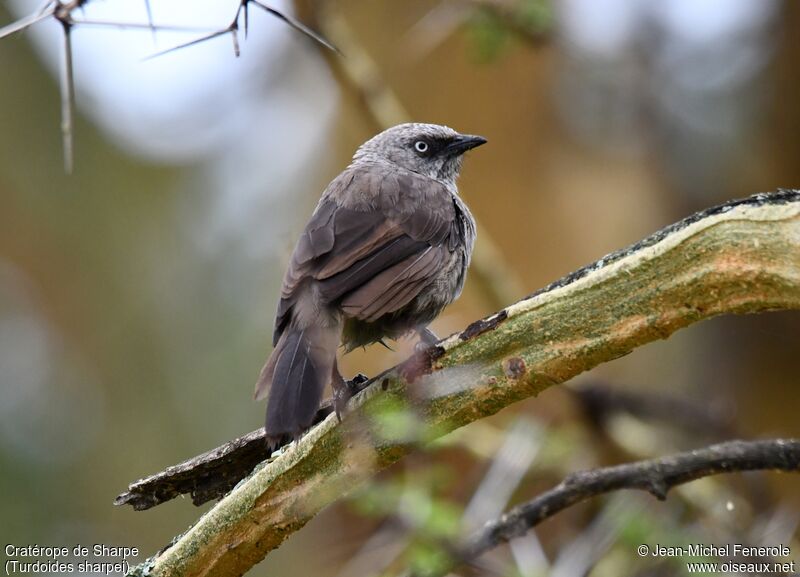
[{"x": 373, "y": 243}]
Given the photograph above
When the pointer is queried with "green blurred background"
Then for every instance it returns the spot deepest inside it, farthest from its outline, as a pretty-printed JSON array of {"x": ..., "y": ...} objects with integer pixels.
[{"x": 137, "y": 294}]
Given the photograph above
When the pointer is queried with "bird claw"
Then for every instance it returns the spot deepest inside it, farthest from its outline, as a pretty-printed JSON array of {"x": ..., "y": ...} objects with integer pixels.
[
  {"x": 345, "y": 391},
  {"x": 355, "y": 384}
]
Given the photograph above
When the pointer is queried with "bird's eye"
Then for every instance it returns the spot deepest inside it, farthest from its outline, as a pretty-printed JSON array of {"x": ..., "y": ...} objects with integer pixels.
[{"x": 421, "y": 146}]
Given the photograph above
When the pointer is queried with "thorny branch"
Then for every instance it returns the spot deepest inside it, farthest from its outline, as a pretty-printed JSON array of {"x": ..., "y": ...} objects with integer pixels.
[
  {"x": 63, "y": 12},
  {"x": 242, "y": 13},
  {"x": 739, "y": 257}
]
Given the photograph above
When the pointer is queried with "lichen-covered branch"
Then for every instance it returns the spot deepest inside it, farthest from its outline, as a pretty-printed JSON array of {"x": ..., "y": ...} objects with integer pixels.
[
  {"x": 657, "y": 476},
  {"x": 741, "y": 257}
]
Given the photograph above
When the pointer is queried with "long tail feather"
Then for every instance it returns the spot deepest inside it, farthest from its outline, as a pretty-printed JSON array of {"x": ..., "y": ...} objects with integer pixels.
[{"x": 295, "y": 376}]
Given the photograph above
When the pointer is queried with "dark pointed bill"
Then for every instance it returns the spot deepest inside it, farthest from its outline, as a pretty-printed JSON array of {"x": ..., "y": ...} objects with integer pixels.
[{"x": 465, "y": 142}]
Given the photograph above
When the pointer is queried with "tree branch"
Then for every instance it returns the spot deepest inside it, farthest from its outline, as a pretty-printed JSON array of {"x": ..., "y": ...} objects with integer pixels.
[
  {"x": 740, "y": 257},
  {"x": 656, "y": 476}
]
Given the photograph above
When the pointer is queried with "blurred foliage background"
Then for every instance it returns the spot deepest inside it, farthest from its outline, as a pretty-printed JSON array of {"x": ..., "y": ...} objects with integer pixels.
[{"x": 137, "y": 294}]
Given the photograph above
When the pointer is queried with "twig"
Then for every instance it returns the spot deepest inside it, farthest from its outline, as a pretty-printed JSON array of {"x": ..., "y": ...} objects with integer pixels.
[
  {"x": 67, "y": 86},
  {"x": 210, "y": 36},
  {"x": 656, "y": 476},
  {"x": 62, "y": 11},
  {"x": 233, "y": 29},
  {"x": 740, "y": 257},
  {"x": 26, "y": 22},
  {"x": 138, "y": 26},
  {"x": 296, "y": 24},
  {"x": 150, "y": 24}
]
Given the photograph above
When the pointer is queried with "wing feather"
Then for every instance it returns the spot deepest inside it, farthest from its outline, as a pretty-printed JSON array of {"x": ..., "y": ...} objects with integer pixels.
[
  {"x": 393, "y": 288},
  {"x": 372, "y": 244}
]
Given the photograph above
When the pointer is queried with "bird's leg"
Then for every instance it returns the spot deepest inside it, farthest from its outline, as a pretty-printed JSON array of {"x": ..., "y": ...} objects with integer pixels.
[
  {"x": 344, "y": 390},
  {"x": 427, "y": 338},
  {"x": 341, "y": 391}
]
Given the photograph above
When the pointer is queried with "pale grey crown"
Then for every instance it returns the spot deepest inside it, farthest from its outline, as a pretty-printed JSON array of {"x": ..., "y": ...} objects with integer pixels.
[{"x": 429, "y": 149}]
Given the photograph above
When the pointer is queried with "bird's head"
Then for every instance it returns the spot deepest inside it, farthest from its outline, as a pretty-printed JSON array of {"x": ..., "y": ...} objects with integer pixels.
[{"x": 428, "y": 149}]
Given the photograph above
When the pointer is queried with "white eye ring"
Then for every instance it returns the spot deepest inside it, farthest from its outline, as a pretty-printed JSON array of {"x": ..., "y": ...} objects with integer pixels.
[{"x": 421, "y": 146}]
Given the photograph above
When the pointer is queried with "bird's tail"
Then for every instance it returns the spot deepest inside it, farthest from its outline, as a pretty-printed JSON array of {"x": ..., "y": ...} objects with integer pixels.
[{"x": 295, "y": 375}]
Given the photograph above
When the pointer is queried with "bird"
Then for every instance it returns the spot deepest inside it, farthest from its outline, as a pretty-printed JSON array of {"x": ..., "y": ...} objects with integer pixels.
[{"x": 385, "y": 250}]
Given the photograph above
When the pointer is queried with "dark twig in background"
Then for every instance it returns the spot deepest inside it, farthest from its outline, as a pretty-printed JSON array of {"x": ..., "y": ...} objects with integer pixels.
[
  {"x": 149, "y": 10},
  {"x": 656, "y": 476},
  {"x": 600, "y": 401}
]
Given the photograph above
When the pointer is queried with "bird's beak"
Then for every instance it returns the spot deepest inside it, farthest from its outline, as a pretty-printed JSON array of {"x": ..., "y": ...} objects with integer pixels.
[{"x": 464, "y": 142}]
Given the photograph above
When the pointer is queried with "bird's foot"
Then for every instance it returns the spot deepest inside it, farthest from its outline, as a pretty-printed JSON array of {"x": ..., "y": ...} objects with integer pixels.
[
  {"x": 356, "y": 384},
  {"x": 344, "y": 390}
]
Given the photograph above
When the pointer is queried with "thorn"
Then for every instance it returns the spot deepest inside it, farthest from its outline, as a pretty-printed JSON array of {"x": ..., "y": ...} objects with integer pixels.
[
  {"x": 190, "y": 43},
  {"x": 242, "y": 8},
  {"x": 657, "y": 486},
  {"x": 297, "y": 25}
]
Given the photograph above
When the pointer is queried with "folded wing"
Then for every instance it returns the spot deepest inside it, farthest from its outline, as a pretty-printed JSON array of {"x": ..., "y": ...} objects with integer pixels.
[{"x": 373, "y": 249}]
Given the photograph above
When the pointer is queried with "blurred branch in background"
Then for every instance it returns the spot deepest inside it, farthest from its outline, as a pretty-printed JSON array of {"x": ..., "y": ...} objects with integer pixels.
[
  {"x": 420, "y": 549},
  {"x": 600, "y": 403},
  {"x": 656, "y": 476},
  {"x": 490, "y": 22},
  {"x": 739, "y": 257}
]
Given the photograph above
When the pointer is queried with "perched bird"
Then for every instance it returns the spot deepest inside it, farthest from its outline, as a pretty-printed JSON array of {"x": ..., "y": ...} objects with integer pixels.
[{"x": 386, "y": 249}]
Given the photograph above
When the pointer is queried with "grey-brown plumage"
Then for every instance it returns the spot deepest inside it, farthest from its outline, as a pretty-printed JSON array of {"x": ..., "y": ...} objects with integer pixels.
[{"x": 386, "y": 249}]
